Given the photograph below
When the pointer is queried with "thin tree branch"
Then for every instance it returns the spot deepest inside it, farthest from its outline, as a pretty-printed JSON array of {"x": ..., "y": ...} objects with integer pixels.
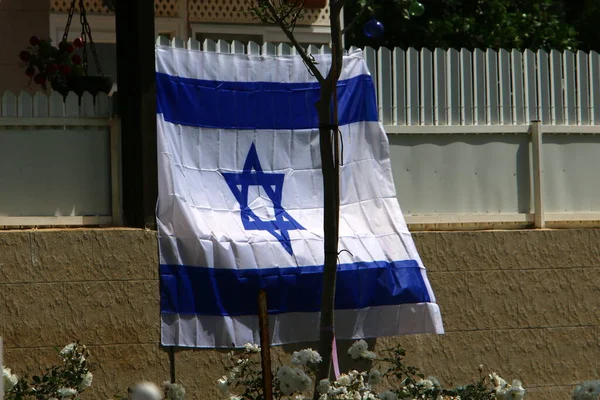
[
  {"x": 307, "y": 60},
  {"x": 358, "y": 16}
]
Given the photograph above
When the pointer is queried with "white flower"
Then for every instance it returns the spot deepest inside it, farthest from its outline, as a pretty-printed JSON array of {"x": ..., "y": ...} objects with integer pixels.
[
  {"x": 360, "y": 349},
  {"x": 357, "y": 349},
  {"x": 344, "y": 380},
  {"x": 223, "y": 384},
  {"x": 235, "y": 398},
  {"x": 374, "y": 377},
  {"x": 146, "y": 391},
  {"x": 323, "y": 386},
  {"x": 588, "y": 390},
  {"x": 68, "y": 350},
  {"x": 10, "y": 379},
  {"x": 86, "y": 381},
  {"x": 388, "y": 395},
  {"x": 306, "y": 357},
  {"x": 292, "y": 380},
  {"x": 173, "y": 391},
  {"x": 299, "y": 397},
  {"x": 66, "y": 392},
  {"x": 499, "y": 383},
  {"x": 251, "y": 348}
]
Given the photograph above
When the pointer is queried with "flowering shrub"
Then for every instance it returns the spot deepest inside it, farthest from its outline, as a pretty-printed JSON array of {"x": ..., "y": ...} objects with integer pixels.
[
  {"x": 44, "y": 62},
  {"x": 65, "y": 381},
  {"x": 243, "y": 379},
  {"x": 588, "y": 390},
  {"x": 149, "y": 391}
]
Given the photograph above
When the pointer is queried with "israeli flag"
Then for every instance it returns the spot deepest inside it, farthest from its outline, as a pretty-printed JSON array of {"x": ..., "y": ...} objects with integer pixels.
[{"x": 241, "y": 205}]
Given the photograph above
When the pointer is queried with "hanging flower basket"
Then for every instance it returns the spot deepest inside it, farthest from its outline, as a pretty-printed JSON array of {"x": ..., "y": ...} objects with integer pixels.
[{"x": 81, "y": 84}]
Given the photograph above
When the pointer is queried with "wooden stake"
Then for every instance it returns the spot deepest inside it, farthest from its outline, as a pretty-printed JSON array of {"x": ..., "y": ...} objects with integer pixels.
[{"x": 265, "y": 345}]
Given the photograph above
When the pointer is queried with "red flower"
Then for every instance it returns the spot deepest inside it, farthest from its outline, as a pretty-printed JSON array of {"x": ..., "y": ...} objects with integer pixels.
[
  {"x": 34, "y": 41},
  {"x": 51, "y": 68},
  {"x": 25, "y": 56},
  {"x": 39, "y": 79},
  {"x": 30, "y": 71},
  {"x": 70, "y": 48},
  {"x": 65, "y": 70},
  {"x": 78, "y": 43},
  {"x": 76, "y": 59}
]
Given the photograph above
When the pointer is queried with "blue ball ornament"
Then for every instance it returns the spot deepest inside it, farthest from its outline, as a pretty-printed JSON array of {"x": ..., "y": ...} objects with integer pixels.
[{"x": 373, "y": 29}]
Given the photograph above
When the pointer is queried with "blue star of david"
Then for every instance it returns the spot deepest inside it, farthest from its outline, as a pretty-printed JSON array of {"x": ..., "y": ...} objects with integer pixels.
[{"x": 272, "y": 184}]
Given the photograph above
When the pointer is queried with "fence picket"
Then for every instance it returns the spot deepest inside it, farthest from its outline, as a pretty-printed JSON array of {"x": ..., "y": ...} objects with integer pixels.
[
  {"x": 178, "y": 43},
  {"x": 86, "y": 108},
  {"x": 412, "y": 86},
  {"x": 583, "y": 89},
  {"x": 40, "y": 105},
  {"x": 530, "y": 85},
  {"x": 491, "y": 64},
  {"x": 570, "y": 111},
  {"x": 56, "y": 105},
  {"x": 223, "y": 46},
  {"x": 384, "y": 89},
  {"x": 269, "y": 49},
  {"x": 325, "y": 49},
  {"x": 237, "y": 47},
  {"x": 557, "y": 115},
  {"x": 25, "y": 105},
  {"x": 505, "y": 111},
  {"x": 426, "y": 87},
  {"x": 312, "y": 49},
  {"x": 370, "y": 56},
  {"x": 466, "y": 89},
  {"x": 399, "y": 89},
  {"x": 209, "y": 45},
  {"x": 453, "y": 70},
  {"x": 518, "y": 112},
  {"x": 594, "y": 59},
  {"x": 103, "y": 105},
  {"x": 479, "y": 92},
  {"x": 543, "y": 87},
  {"x": 253, "y": 48},
  {"x": 162, "y": 41},
  {"x": 9, "y": 104},
  {"x": 193, "y": 44},
  {"x": 284, "y": 49},
  {"x": 440, "y": 110},
  {"x": 72, "y": 105}
]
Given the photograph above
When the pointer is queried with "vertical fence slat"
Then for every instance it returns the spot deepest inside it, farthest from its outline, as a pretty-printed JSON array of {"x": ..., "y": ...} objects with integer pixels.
[
  {"x": 209, "y": 45},
  {"x": 25, "y": 105},
  {"x": 594, "y": 87},
  {"x": 412, "y": 86},
  {"x": 162, "y": 41},
  {"x": 9, "y": 104},
  {"x": 384, "y": 87},
  {"x": 56, "y": 105},
  {"x": 87, "y": 105},
  {"x": 543, "y": 87},
  {"x": 269, "y": 49},
  {"x": 504, "y": 87},
  {"x": 440, "y": 108},
  {"x": 399, "y": 91},
  {"x": 453, "y": 79},
  {"x": 556, "y": 93},
  {"x": 193, "y": 44},
  {"x": 426, "y": 79},
  {"x": 530, "y": 85},
  {"x": 466, "y": 92},
  {"x": 312, "y": 49},
  {"x": 284, "y": 49},
  {"x": 253, "y": 48},
  {"x": 178, "y": 43},
  {"x": 491, "y": 64},
  {"x": 223, "y": 46},
  {"x": 370, "y": 56},
  {"x": 325, "y": 49},
  {"x": 583, "y": 89},
  {"x": 72, "y": 105},
  {"x": 479, "y": 93},
  {"x": 237, "y": 47},
  {"x": 102, "y": 105},
  {"x": 570, "y": 111},
  {"x": 40, "y": 105},
  {"x": 516, "y": 66}
]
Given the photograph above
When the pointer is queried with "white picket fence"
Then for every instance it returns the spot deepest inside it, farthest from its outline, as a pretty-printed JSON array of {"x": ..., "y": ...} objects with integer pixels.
[
  {"x": 60, "y": 160},
  {"x": 465, "y": 151}
]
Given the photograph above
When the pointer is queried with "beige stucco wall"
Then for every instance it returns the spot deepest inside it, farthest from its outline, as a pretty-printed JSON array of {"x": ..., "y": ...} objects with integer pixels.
[
  {"x": 524, "y": 303},
  {"x": 19, "y": 20}
]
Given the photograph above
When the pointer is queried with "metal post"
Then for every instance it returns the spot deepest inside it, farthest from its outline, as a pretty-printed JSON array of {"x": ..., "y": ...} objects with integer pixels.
[
  {"x": 265, "y": 345},
  {"x": 538, "y": 174}
]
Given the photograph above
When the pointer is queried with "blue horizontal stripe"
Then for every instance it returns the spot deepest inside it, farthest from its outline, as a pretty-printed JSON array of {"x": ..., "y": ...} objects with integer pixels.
[
  {"x": 213, "y": 291},
  {"x": 259, "y": 105}
]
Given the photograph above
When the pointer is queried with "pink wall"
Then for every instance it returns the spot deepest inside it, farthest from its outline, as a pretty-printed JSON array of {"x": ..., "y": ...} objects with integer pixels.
[{"x": 19, "y": 20}]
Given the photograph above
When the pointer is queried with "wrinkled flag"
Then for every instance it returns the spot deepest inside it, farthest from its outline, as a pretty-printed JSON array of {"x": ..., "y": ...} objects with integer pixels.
[{"x": 241, "y": 205}]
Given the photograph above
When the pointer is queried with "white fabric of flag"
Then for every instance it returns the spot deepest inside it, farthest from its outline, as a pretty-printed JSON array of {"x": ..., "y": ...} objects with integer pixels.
[{"x": 241, "y": 205}]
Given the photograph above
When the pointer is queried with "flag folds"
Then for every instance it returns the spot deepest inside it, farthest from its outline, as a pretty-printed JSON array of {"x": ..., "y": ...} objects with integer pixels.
[{"x": 241, "y": 205}]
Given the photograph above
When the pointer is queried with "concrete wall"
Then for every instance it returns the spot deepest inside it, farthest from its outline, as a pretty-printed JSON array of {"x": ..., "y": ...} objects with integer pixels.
[
  {"x": 19, "y": 20},
  {"x": 523, "y": 303}
]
